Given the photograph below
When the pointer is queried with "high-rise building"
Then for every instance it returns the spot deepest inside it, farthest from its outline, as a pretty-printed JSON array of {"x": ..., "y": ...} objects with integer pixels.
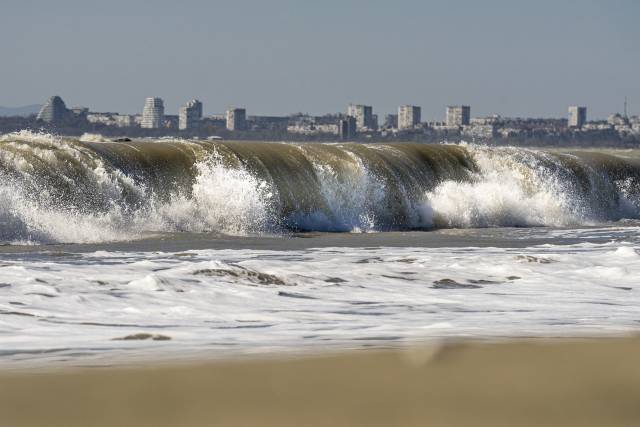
[
  {"x": 347, "y": 127},
  {"x": 408, "y": 116},
  {"x": 374, "y": 122},
  {"x": 577, "y": 116},
  {"x": 458, "y": 115},
  {"x": 236, "y": 119},
  {"x": 363, "y": 115},
  {"x": 190, "y": 115},
  {"x": 53, "y": 111},
  {"x": 391, "y": 121},
  {"x": 152, "y": 113}
]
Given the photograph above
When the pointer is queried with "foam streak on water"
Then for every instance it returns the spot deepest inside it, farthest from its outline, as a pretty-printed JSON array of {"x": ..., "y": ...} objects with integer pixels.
[{"x": 71, "y": 308}]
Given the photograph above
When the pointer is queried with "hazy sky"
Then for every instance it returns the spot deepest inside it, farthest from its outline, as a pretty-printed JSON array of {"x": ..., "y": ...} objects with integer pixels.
[{"x": 516, "y": 58}]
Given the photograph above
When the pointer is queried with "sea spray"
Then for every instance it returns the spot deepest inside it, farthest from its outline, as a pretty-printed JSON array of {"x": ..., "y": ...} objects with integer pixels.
[
  {"x": 513, "y": 187},
  {"x": 55, "y": 189}
]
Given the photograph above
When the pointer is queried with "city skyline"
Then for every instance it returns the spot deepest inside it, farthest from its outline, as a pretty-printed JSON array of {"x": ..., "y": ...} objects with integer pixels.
[
  {"x": 461, "y": 112},
  {"x": 625, "y": 109},
  {"x": 366, "y": 117},
  {"x": 358, "y": 119},
  {"x": 512, "y": 58}
]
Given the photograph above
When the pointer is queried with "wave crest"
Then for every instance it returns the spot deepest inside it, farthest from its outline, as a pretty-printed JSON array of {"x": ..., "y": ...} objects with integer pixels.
[{"x": 61, "y": 190}]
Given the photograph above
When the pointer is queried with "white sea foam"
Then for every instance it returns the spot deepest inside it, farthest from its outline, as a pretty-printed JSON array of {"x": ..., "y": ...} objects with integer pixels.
[
  {"x": 221, "y": 301},
  {"x": 222, "y": 199},
  {"x": 498, "y": 198},
  {"x": 93, "y": 137},
  {"x": 351, "y": 199},
  {"x": 520, "y": 187},
  {"x": 232, "y": 200}
]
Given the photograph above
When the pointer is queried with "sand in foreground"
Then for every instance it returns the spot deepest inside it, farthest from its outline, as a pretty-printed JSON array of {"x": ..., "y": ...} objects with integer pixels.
[{"x": 522, "y": 383}]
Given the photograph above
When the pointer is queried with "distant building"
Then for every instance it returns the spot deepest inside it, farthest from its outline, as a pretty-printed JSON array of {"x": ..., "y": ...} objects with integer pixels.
[
  {"x": 363, "y": 115},
  {"x": 153, "y": 113},
  {"x": 124, "y": 120},
  {"x": 597, "y": 126},
  {"x": 437, "y": 126},
  {"x": 408, "y": 116},
  {"x": 53, "y": 111},
  {"x": 101, "y": 118},
  {"x": 314, "y": 128},
  {"x": 268, "y": 123},
  {"x": 170, "y": 122},
  {"x": 577, "y": 116},
  {"x": 304, "y": 124},
  {"x": 617, "y": 120},
  {"x": 391, "y": 121},
  {"x": 236, "y": 119},
  {"x": 80, "y": 111},
  {"x": 485, "y": 131},
  {"x": 190, "y": 115},
  {"x": 215, "y": 121},
  {"x": 112, "y": 119},
  {"x": 347, "y": 127},
  {"x": 458, "y": 115},
  {"x": 494, "y": 119}
]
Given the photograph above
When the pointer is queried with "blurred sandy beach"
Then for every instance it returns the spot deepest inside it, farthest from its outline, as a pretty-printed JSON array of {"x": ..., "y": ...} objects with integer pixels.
[{"x": 516, "y": 383}]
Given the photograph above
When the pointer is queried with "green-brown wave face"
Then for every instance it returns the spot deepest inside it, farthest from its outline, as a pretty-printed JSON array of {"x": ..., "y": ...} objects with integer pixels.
[{"x": 63, "y": 190}]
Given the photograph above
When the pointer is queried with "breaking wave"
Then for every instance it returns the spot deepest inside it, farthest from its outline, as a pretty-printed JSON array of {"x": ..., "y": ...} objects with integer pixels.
[{"x": 56, "y": 189}]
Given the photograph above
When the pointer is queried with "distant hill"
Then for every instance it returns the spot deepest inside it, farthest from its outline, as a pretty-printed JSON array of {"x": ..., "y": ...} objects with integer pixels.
[{"x": 19, "y": 111}]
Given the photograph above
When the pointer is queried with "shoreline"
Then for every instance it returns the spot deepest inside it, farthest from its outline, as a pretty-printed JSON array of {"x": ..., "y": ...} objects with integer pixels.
[{"x": 581, "y": 382}]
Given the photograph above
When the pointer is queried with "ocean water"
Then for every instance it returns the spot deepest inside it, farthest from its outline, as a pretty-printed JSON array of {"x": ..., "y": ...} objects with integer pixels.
[{"x": 189, "y": 249}]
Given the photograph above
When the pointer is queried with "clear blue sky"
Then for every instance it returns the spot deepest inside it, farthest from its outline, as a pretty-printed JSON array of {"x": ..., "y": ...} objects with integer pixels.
[{"x": 515, "y": 58}]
